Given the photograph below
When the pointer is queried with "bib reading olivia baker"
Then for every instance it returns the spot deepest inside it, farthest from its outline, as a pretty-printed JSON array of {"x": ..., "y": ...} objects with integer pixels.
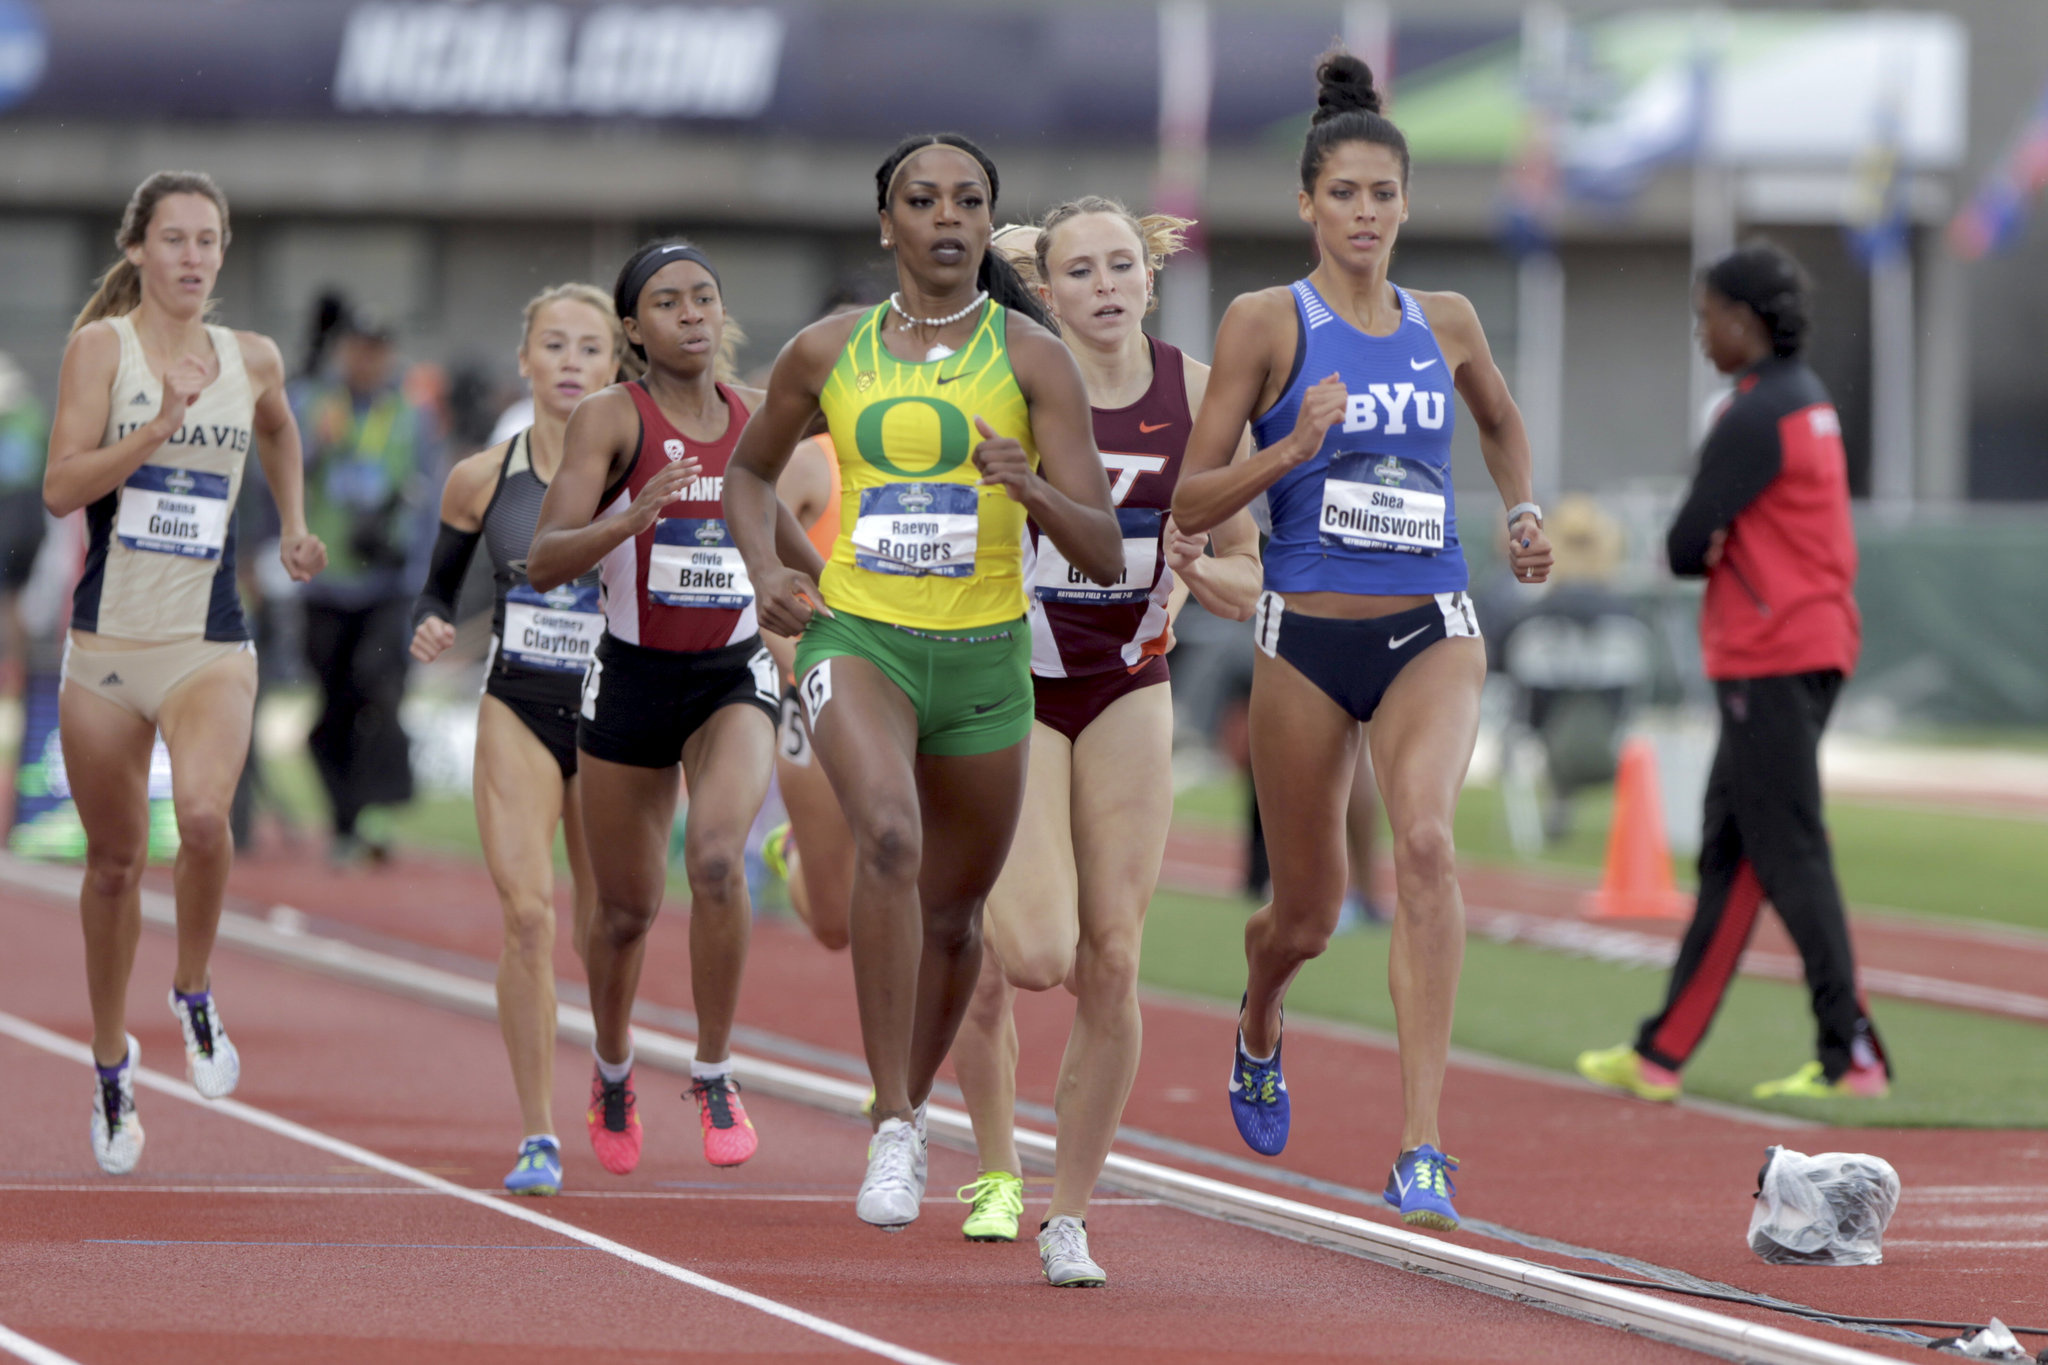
[{"x": 160, "y": 563}]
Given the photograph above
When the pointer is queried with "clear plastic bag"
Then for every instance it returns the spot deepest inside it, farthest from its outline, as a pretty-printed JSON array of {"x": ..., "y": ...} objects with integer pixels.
[{"x": 1829, "y": 1209}]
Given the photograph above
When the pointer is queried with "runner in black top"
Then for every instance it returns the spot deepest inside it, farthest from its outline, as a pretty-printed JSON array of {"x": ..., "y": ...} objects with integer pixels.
[{"x": 525, "y": 777}]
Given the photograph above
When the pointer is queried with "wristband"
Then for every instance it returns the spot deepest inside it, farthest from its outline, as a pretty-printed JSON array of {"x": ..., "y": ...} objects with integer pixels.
[{"x": 1515, "y": 513}]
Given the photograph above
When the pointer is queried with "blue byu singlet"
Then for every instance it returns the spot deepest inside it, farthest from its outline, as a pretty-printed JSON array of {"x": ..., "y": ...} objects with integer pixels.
[{"x": 1372, "y": 511}]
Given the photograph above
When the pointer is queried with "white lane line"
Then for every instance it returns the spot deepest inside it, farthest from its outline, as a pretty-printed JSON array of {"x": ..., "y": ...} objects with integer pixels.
[
  {"x": 1943, "y": 1244},
  {"x": 713, "y": 1196},
  {"x": 58, "y": 1045},
  {"x": 34, "y": 1352}
]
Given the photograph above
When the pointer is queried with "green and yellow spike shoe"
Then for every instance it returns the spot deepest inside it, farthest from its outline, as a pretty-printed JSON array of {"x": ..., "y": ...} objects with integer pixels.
[
  {"x": 998, "y": 1200},
  {"x": 1623, "y": 1068},
  {"x": 1810, "y": 1082}
]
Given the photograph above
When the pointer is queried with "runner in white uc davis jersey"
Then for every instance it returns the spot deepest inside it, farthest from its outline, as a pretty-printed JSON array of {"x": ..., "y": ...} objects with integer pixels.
[{"x": 156, "y": 414}]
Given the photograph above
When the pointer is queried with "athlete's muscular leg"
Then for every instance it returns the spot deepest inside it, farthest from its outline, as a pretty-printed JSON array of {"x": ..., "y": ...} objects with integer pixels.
[
  {"x": 866, "y": 737},
  {"x": 106, "y": 755},
  {"x": 970, "y": 805},
  {"x": 821, "y": 861},
  {"x": 205, "y": 722},
  {"x": 582, "y": 880},
  {"x": 1121, "y": 809},
  {"x": 727, "y": 764},
  {"x": 1304, "y": 747},
  {"x": 1421, "y": 740},
  {"x": 1033, "y": 923},
  {"x": 518, "y": 800},
  {"x": 985, "y": 1061},
  {"x": 1029, "y": 928},
  {"x": 634, "y": 807}
]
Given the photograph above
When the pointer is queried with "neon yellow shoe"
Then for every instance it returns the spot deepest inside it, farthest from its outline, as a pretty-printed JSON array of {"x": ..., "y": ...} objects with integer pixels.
[
  {"x": 1810, "y": 1082},
  {"x": 1623, "y": 1068},
  {"x": 775, "y": 851},
  {"x": 867, "y": 1106},
  {"x": 998, "y": 1200}
]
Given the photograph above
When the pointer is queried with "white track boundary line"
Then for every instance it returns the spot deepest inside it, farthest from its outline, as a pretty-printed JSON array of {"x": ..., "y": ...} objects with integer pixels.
[
  {"x": 1609, "y": 1304},
  {"x": 37, "y": 1036},
  {"x": 34, "y": 1352}
]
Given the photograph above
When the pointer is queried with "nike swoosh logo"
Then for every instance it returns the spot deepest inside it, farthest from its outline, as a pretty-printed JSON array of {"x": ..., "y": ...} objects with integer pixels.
[
  {"x": 1420, "y": 365},
  {"x": 1149, "y": 427},
  {"x": 949, "y": 378},
  {"x": 984, "y": 710},
  {"x": 1396, "y": 644},
  {"x": 1403, "y": 1186}
]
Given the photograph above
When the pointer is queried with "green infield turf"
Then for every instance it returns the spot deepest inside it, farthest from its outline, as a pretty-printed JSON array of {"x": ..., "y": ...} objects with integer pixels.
[
  {"x": 1927, "y": 861},
  {"x": 1954, "y": 1068}
]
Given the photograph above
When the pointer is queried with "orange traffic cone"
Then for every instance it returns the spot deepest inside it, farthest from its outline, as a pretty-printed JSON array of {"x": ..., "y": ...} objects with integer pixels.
[{"x": 1638, "y": 882}]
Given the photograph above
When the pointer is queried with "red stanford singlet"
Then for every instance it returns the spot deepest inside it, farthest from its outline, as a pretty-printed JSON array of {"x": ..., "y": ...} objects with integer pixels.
[
  {"x": 1078, "y": 626},
  {"x": 680, "y": 585}
]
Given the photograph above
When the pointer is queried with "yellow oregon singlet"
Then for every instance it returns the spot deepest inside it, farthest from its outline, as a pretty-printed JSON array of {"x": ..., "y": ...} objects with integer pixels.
[{"x": 921, "y": 542}]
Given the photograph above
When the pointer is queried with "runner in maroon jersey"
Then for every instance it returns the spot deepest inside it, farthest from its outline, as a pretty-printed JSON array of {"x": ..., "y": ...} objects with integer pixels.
[
  {"x": 680, "y": 677},
  {"x": 1070, "y": 904}
]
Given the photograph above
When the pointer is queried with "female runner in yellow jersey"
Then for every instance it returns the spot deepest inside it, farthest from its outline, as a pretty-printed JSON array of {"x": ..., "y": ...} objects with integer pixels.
[{"x": 915, "y": 662}]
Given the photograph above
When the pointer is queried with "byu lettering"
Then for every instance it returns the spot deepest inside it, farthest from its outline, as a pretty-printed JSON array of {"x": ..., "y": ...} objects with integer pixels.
[{"x": 1362, "y": 411}]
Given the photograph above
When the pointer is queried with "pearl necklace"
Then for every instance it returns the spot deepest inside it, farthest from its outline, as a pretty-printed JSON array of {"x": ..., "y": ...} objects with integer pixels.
[{"x": 974, "y": 303}]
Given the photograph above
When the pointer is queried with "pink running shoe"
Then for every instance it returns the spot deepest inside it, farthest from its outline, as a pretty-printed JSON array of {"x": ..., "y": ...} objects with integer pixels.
[
  {"x": 729, "y": 1136},
  {"x": 614, "y": 1123}
]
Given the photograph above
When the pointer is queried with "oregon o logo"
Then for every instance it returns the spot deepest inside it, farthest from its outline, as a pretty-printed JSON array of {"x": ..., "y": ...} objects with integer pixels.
[{"x": 953, "y": 441}]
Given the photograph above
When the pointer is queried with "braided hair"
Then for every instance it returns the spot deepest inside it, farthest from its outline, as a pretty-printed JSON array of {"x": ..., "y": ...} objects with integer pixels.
[
  {"x": 1765, "y": 278},
  {"x": 1347, "y": 110},
  {"x": 996, "y": 274}
]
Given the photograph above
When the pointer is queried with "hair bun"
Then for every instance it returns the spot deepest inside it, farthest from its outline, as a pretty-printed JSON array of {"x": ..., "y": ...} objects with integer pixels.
[{"x": 1343, "y": 85}]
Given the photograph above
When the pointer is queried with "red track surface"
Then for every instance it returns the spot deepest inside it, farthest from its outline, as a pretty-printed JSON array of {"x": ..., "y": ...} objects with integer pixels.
[
  {"x": 429, "y": 1088},
  {"x": 415, "y": 1276}
]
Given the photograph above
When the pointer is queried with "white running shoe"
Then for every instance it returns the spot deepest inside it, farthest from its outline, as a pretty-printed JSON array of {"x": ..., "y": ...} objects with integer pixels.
[
  {"x": 210, "y": 1058},
  {"x": 893, "y": 1191},
  {"x": 1063, "y": 1251},
  {"x": 116, "y": 1128}
]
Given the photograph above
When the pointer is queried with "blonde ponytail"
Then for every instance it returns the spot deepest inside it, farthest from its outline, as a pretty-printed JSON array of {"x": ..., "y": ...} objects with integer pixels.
[{"x": 119, "y": 290}]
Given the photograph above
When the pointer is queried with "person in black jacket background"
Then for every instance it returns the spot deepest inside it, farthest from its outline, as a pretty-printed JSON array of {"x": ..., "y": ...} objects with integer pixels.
[{"x": 1767, "y": 522}]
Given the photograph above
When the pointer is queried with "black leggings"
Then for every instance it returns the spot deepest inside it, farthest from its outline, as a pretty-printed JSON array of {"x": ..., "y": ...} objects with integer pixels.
[
  {"x": 359, "y": 656},
  {"x": 1764, "y": 838}
]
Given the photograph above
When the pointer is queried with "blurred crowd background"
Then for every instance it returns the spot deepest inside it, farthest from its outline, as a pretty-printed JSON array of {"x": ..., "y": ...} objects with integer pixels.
[{"x": 404, "y": 174}]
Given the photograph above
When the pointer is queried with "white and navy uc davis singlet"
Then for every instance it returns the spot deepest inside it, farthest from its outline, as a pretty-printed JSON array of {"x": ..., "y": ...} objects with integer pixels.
[
  {"x": 160, "y": 551},
  {"x": 680, "y": 585},
  {"x": 1078, "y": 626},
  {"x": 549, "y": 635},
  {"x": 1373, "y": 511}
]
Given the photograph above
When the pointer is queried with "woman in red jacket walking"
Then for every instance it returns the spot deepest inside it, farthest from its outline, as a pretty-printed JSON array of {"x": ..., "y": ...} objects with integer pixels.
[{"x": 1767, "y": 522}]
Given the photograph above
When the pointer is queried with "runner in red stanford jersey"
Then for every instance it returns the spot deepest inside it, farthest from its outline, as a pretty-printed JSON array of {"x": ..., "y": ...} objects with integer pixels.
[
  {"x": 680, "y": 677},
  {"x": 1070, "y": 904}
]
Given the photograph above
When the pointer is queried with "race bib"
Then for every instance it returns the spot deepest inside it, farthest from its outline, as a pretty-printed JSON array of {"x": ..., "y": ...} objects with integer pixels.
[
  {"x": 556, "y": 630},
  {"x": 694, "y": 563},
  {"x": 1053, "y": 579},
  {"x": 1383, "y": 502},
  {"x": 917, "y": 529},
  {"x": 174, "y": 512}
]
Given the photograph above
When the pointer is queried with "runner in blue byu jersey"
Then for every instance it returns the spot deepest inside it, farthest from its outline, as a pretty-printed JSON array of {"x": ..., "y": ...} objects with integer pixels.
[{"x": 1347, "y": 380}]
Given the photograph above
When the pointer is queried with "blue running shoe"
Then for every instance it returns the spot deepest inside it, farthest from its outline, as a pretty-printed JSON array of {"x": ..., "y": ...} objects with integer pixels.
[
  {"x": 1421, "y": 1189},
  {"x": 539, "y": 1170},
  {"x": 1258, "y": 1099}
]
